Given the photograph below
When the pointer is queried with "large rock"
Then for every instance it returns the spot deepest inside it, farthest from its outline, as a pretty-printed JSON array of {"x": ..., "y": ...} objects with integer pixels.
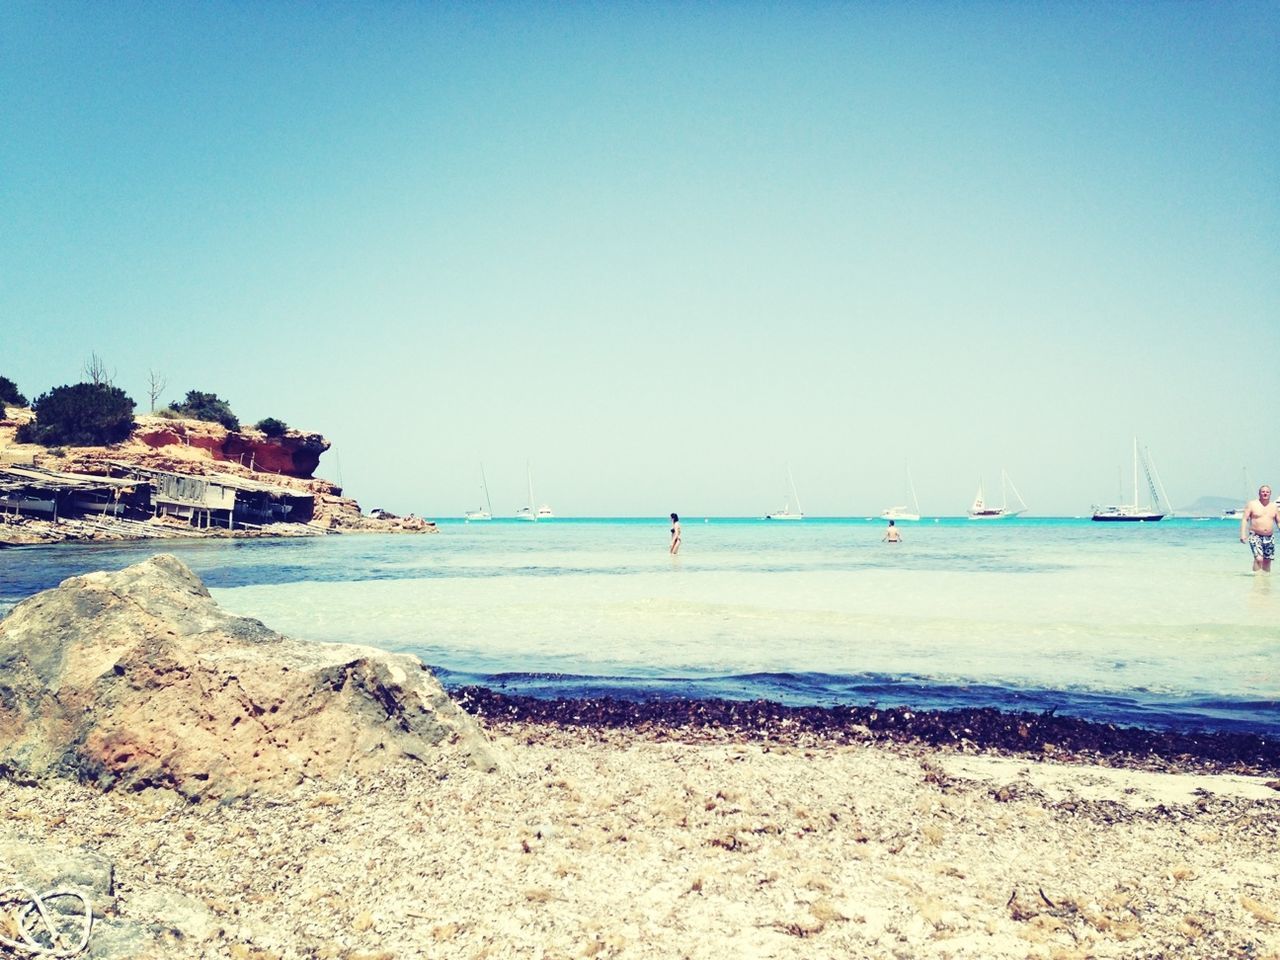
[{"x": 137, "y": 678}]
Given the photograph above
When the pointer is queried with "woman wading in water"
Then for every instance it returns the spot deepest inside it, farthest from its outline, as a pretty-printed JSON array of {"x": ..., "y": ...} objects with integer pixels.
[{"x": 675, "y": 534}]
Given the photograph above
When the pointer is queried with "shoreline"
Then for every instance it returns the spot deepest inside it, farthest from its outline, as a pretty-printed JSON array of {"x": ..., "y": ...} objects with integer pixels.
[
  {"x": 646, "y": 843},
  {"x": 80, "y": 532},
  {"x": 16, "y": 531},
  {"x": 986, "y": 730}
]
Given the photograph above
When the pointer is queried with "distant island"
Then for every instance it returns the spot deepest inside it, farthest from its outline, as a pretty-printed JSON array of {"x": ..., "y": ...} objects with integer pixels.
[{"x": 1210, "y": 507}]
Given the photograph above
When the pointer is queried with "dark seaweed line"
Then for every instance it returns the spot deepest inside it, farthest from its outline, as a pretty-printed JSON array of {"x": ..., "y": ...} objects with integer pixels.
[{"x": 1041, "y": 735}]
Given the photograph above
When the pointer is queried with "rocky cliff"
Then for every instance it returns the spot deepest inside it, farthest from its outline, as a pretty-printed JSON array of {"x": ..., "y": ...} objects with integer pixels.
[
  {"x": 137, "y": 678},
  {"x": 199, "y": 447},
  {"x": 295, "y": 454},
  {"x": 189, "y": 445}
]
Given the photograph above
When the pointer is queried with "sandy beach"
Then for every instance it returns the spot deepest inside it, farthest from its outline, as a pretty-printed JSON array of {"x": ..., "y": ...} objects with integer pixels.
[
  {"x": 225, "y": 791},
  {"x": 676, "y": 843}
]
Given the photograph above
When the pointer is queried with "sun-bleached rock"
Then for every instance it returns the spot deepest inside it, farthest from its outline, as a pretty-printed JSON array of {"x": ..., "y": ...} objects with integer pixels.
[{"x": 137, "y": 678}]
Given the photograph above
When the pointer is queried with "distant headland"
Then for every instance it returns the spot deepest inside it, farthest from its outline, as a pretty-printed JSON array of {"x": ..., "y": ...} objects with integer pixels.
[{"x": 77, "y": 465}]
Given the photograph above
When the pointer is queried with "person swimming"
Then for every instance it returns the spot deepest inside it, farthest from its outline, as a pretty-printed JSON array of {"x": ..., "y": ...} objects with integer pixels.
[{"x": 892, "y": 535}]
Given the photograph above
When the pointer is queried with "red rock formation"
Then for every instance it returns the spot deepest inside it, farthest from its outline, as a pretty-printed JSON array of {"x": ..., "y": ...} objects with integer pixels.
[{"x": 295, "y": 454}]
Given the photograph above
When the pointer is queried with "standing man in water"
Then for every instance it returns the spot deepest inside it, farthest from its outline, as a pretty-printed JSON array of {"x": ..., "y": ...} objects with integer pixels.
[{"x": 1258, "y": 527}]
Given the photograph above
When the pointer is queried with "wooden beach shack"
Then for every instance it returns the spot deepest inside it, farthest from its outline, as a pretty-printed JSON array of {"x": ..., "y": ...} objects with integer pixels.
[
  {"x": 53, "y": 495},
  {"x": 218, "y": 499}
]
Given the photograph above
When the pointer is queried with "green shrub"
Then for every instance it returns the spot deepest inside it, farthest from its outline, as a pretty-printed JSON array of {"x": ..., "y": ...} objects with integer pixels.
[
  {"x": 80, "y": 415},
  {"x": 273, "y": 427},
  {"x": 207, "y": 406},
  {"x": 10, "y": 394}
]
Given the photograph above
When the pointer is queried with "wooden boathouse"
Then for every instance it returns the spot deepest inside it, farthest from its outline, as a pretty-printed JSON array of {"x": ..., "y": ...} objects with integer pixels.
[
  {"x": 218, "y": 499},
  {"x": 54, "y": 495}
]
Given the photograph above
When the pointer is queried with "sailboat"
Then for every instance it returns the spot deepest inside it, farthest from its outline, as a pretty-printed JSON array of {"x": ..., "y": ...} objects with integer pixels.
[
  {"x": 487, "y": 512},
  {"x": 901, "y": 512},
  {"x": 1136, "y": 512},
  {"x": 981, "y": 510},
  {"x": 543, "y": 512},
  {"x": 527, "y": 513},
  {"x": 785, "y": 513}
]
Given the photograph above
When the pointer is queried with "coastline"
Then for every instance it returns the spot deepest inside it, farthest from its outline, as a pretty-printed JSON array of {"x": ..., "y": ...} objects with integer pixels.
[
  {"x": 700, "y": 829},
  {"x": 985, "y": 730},
  {"x": 189, "y": 456},
  {"x": 651, "y": 841},
  {"x": 27, "y": 532}
]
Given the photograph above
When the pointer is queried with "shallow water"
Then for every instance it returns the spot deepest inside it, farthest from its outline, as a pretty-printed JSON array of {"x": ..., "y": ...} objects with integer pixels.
[{"x": 1156, "y": 624}]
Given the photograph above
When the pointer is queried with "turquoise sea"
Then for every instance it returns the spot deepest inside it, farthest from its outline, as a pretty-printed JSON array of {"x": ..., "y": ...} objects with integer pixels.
[{"x": 1158, "y": 624}]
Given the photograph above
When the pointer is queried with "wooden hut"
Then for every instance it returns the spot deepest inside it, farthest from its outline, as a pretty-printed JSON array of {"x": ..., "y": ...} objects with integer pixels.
[
  {"x": 54, "y": 495},
  {"x": 219, "y": 499}
]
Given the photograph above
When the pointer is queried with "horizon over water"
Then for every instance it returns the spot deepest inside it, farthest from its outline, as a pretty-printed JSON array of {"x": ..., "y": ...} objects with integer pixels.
[{"x": 1158, "y": 624}]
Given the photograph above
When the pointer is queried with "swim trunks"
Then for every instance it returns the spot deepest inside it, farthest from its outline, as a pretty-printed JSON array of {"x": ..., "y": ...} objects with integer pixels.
[{"x": 1263, "y": 547}]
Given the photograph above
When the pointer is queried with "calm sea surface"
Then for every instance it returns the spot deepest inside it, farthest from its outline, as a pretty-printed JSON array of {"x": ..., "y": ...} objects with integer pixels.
[{"x": 1154, "y": 624}]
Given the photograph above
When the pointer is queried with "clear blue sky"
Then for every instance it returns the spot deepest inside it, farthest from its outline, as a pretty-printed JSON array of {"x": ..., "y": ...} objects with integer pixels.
[{"x": 663, "y": 249}]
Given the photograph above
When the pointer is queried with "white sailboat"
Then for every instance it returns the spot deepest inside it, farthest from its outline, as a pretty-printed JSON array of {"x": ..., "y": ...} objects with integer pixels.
[
  {"x": 981, "y": 510},
  {"x": 543, "y": 512},
  {"x": 901, "y": 512},
  {"x": 1136, "y": 512},
  {"x": 487, "y": 512},
  {"x": 528, "y": 513},
  {"x": 785, "y": 513}
]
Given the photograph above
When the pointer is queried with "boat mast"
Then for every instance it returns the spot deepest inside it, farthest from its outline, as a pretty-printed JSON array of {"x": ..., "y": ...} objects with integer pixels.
[
  {"x": 1005, "y": 476},
  {"x": 1159, "y": 496},
  {"x": 912, "y": 484},
  {"x": 794, "y": 496},
  {"x": 1135, "y": 470},
  {"x": 485, "y": 484}
]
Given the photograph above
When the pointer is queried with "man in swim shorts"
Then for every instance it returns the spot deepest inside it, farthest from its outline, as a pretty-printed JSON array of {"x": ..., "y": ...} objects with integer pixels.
[{"x": 1258, "y": 527}]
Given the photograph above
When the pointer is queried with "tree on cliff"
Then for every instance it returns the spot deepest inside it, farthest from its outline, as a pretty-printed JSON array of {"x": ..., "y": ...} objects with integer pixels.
[
  {"x": 156, "y": 382},
  {"x": 80, "y": 415},
  {"x": 95, "y": 369},
  {"x": 206, "y": 406},
  {"x": 10, "y": 394},
  {"x": 273, "y": 427}
]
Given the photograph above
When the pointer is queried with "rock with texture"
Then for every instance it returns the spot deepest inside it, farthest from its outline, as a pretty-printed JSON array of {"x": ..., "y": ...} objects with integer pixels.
[
  {"x": 294, "y": 454},
  {"x": 137, "y": 678},
  {"x": 44, "y": 867}
]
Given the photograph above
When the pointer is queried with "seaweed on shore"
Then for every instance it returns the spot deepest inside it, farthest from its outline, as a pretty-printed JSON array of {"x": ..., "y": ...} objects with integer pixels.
[{"x": 1044, "y": 735}]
